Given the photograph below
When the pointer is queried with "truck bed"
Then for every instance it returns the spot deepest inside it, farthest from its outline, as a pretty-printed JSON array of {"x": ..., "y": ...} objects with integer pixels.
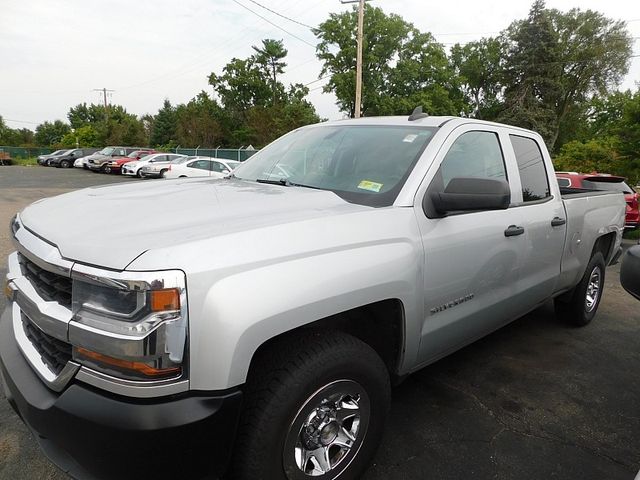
[{"x": 590, "y": 214}]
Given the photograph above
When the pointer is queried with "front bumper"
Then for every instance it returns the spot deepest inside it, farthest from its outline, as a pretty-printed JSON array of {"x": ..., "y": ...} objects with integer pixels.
[{"x": 91, "y": 434}]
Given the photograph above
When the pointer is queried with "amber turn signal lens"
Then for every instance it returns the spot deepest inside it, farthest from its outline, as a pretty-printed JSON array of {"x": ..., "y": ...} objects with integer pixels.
[
  {"x": 163, "y": 300},
  {"x": 8, "y": 291},
  {"x": 139, "y": 367}
]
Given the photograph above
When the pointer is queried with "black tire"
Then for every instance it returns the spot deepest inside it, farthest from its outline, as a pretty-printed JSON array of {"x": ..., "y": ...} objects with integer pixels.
[
  {"x": 163, "y": 173},
  {"x": 581, "y": 306},
  {"x": 64, "y": 164},
  {"x": 139, "y": 173},
  {"x": 107, "y": 169},
  {"x": 295, "y": 384}
]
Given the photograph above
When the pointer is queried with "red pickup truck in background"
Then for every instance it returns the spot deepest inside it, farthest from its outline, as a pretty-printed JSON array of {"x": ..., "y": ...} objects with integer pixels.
[
  {"x": 115, "y": 165},
  {"x": 601, "y": 181}
]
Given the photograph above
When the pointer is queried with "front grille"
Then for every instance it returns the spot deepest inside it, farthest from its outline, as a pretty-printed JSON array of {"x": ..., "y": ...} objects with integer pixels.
[
  {"x": 50, "y": 286},
  {"x": 55, "y": 353}
]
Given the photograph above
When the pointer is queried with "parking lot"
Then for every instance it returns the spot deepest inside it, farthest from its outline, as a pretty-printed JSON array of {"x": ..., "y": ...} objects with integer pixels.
[{"x": 536, "y": 399}]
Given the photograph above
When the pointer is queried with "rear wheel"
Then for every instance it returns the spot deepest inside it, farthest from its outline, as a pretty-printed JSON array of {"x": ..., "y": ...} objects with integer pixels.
[
  {"x": 580, "y": 308},
  {"x": 315, "y": 407}
]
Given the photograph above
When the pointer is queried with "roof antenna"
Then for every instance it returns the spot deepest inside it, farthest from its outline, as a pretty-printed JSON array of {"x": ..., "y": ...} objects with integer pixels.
[{"x": 417, "y": 114}]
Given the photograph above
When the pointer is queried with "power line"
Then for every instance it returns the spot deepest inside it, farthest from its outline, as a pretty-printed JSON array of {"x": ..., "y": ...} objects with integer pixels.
[
  {"x": 283, "y": 16},
  {"x": 20, "y": 121},
  {"x": 274, "y": 24}
]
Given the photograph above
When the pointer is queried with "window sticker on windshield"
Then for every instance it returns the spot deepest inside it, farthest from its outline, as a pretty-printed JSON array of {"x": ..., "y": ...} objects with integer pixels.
[
  {"x": 410, "y": 138},
  {"x": 369, "y": 185}
]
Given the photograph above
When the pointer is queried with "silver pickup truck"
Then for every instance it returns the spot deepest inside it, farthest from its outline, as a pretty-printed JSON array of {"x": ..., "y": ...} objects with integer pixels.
[{"x": 254, "y": 325}]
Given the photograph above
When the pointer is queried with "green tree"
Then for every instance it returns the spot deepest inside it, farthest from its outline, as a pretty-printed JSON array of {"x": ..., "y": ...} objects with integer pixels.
[
  {"x": 596, "y": 155},
  {"x": 402, "y": 67},
  {"x": 255, "y": 106},
  {"x": 241, "y": 86},
  {"x": 269, "y": 57},
  {"x": 198, "y": 123},
  {"x": 556, "y": 63},
  {"x": 480, "y": 67},
  {"x": 164, "y": 125},
  {"x": 85, "y": 136},
  {"x": 22, "y": 137},
  {"x": 51, "y": 133}
]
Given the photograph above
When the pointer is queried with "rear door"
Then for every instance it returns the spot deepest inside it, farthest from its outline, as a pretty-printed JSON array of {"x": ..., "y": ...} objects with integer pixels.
[
  {"x": 471, "y": 266},
  {"x": 543, "y": 218}
]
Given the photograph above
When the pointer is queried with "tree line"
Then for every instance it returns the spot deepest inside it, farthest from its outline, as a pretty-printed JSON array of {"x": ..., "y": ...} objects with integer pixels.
[{"x": 554, "y": 72}]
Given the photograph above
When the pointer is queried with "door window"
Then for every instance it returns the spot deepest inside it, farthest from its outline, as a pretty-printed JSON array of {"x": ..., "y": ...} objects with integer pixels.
[
  {"x": 473, "y": 154},
  {"x": 200, "y": 164},
  {"x": 218, "y": 167},
  {"x": 533, "y": 175}
]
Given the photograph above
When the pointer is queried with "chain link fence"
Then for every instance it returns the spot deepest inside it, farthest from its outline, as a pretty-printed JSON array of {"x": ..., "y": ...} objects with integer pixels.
[
  {"x": 239, "y": 154},
  {"x": 20, "y": 152}
]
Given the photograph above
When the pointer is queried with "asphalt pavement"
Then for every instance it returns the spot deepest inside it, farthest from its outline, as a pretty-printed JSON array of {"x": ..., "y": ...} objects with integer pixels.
[{"x": 535, "y": 400}]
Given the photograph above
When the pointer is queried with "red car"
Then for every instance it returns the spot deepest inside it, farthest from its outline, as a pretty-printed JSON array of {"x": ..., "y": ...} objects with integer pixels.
[
  {"x": 115, "y": 165},
  {"x": 600, "y": 181}
]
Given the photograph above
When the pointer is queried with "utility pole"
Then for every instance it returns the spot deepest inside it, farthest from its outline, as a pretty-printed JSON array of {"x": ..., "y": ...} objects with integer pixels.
[
  {"x": 104, "y": 92},
  {"x": 359, "y": 55}
]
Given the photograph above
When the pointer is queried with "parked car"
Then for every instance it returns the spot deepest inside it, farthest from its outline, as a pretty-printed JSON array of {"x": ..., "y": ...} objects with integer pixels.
[
  {"x": 98, "y": 162},
  {"x": 263, "y": 319},
  {"x": 82, "y": 162},
  {"x": 135, "y": 168},
  {"x": 68, "y": 159},
  {"x": 115, "y": 165},
  {"x": 599, "y": 181},
  {"x": 44, "y": 159},
  {"x": 200, "y": 167}
]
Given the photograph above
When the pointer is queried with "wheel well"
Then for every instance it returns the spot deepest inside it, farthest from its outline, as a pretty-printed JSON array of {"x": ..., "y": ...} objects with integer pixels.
[
  {"x": 380, "y": 325},
  {"x": 604, "y": 245}
]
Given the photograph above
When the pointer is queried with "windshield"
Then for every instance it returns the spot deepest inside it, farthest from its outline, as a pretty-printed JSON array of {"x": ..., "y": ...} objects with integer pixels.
[
  {"x": 604, "y": 185},
  {"x": 365, "y": 164},
  {"x": 106, "y": 151}
]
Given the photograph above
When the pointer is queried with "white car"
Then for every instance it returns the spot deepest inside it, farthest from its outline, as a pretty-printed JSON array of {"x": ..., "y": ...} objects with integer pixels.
[
  {"x": 134, "y": 169},
  {"x": 81, "y": 162},
  {"x": 202, "y": 167}
]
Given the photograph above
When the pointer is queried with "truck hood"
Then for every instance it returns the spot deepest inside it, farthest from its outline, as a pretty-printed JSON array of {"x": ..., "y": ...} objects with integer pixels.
[{"x": 110, "y": 226}]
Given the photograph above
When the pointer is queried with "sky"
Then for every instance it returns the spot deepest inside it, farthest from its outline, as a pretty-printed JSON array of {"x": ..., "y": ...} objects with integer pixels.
[{"x": 54, "y": 53}]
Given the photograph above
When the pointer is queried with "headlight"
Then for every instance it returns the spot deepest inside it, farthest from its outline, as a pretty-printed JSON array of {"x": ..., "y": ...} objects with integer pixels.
[
  {"x": 129, "y": 325},
  {"x": 15, "y": 224}
]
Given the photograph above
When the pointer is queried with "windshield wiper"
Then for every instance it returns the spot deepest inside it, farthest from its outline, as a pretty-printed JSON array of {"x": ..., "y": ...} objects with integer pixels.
[{"x": 282, "y": 181}]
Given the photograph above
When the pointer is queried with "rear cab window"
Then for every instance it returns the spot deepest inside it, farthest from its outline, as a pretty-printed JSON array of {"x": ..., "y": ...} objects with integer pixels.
[{"x": 533, "y": 173}]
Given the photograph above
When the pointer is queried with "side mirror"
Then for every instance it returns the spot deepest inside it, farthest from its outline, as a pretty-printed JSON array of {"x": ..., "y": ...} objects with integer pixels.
[
  {"x": 470, "y": 193},
  {"x": 630, "y": 271}
]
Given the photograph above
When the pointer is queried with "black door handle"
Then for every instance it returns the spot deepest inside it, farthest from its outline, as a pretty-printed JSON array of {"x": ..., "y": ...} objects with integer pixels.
[
  {"x": 557, "y": 221},
  {"x": 513, "y": 231}
]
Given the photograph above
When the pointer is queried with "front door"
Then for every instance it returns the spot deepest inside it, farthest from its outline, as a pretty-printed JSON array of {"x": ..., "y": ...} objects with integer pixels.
[{"x": 471, "y": 266}]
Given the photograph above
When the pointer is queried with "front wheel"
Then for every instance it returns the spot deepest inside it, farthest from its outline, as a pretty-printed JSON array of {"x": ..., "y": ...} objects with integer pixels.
[
  {"x": 65, "y": 164},
  {"x": 315, "y": 407},
  {"x": 139, "y": 173},
  {"x": 581, "y": 307},
  {"x": 163, "y": 173}
]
